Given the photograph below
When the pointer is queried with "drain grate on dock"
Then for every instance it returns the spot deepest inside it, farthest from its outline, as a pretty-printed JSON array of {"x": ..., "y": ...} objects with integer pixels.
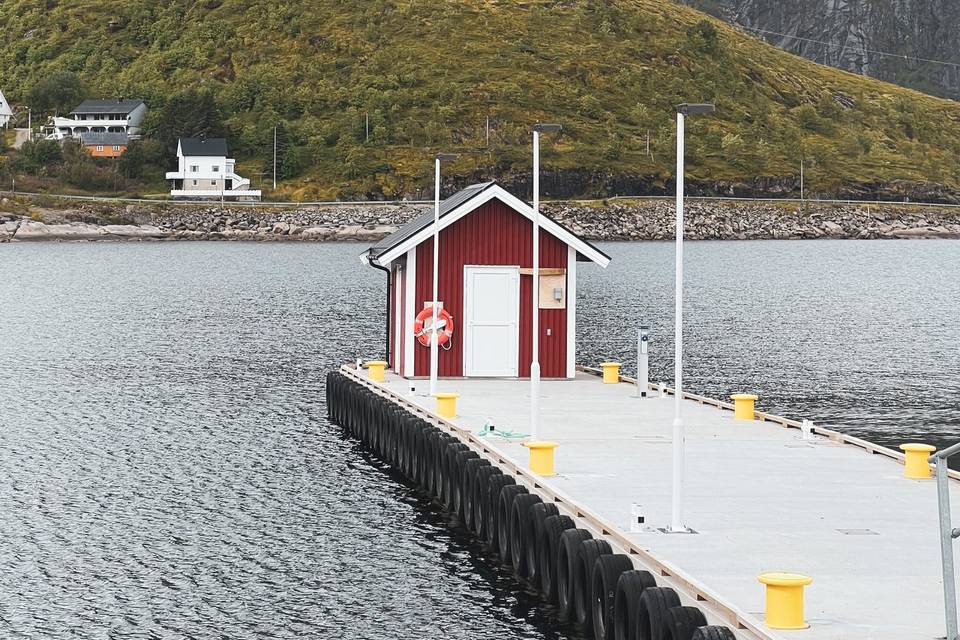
[{"x": 858, "y": 532}]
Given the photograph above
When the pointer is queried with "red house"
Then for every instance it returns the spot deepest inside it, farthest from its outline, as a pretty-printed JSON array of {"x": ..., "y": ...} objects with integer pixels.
[{"x": 485, "y": 286}]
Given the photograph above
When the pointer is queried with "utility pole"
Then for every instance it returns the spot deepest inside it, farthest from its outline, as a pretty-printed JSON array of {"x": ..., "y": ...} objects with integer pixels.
[{"x": 274, "y": 157}]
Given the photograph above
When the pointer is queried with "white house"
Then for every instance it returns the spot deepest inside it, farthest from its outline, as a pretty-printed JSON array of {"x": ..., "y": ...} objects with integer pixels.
[
  {"x": 6, "y": 113},
  {"x": 206, "y": 172},
  {"x": 100, "y": 116}
]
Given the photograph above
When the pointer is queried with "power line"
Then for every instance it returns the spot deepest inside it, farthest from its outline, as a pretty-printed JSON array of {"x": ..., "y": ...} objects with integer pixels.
[{"x": 888, "y": 54}]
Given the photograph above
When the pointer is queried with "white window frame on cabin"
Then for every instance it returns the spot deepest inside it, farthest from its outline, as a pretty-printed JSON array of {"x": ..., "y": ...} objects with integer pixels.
[
  {"x": 99, "y": 147},
  {"x": 194, "y": 168}
]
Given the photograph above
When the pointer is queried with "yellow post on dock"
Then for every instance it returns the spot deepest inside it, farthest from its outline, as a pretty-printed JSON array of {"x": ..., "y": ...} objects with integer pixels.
[
  {"x": 541, "y": 456},
  {"x": 915, "y": 465},
  {"x": 447, "y": 404},
  {"x": 785, "y": 599},
  {"x": 743, "y": 405},
  {"x": 375, "y": 369},
  {"x": 611, "y": 372}
]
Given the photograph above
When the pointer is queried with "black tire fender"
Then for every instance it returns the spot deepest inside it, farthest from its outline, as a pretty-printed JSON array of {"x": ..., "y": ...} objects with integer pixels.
[
  {"x": 532, "y": 532},
  {"x": 518, "y": 518},
  {"x": 587, "y": 554},
  {"x": 711, "y": 632},
  {"x": 606, "y": 575},
  {"x": 652, "y": 621},
  {"x": 553, "y": 527},
  {"x": 567, "y": 560},
  {"x": 630, "y": 587},
  {"x": 504, "y": 510}
]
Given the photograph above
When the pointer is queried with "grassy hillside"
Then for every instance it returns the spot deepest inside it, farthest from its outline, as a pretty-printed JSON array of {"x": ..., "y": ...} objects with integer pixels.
[{"x": 429, "y": 74}]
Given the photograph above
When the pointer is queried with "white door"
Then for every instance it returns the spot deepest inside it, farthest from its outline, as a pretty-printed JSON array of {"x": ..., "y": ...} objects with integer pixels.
[{"x": 491, "y": 309}]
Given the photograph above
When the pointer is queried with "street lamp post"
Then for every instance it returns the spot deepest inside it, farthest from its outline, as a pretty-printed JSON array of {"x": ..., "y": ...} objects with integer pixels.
[
  {"x": 676, "y": 518},
  {"x": 434, "y": 351},
  {"x": 535, "y": 346}
]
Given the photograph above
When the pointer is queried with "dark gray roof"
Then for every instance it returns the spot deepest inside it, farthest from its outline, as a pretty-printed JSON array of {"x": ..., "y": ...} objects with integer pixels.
[
  {"x": 422, "y": 222},
  {"x": 104, "y": 138},
  {"x": 203, "y": 147},
  {"x": 107, "y": 106}
]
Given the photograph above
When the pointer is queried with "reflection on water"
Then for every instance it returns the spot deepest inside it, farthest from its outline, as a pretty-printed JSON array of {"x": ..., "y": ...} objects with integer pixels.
[{"x": 166, "y": 469}]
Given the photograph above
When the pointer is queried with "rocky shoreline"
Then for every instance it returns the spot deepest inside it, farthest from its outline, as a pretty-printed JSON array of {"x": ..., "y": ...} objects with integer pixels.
[{"x": 22, "y": 221}]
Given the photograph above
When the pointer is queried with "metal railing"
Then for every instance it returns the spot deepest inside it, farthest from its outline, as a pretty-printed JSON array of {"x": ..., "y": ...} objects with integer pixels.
[{"x": 947, "y": 536}]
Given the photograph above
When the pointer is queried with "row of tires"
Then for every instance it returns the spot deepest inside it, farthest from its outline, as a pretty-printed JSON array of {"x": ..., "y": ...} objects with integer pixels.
[{"x": 580, "y": 575}]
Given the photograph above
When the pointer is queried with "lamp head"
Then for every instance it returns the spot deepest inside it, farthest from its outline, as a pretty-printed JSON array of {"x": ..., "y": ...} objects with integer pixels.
[
  {"x": 542, "y": 127},
  {"x": 444, "y": 157},
  {"x": 695, "y": 109}
]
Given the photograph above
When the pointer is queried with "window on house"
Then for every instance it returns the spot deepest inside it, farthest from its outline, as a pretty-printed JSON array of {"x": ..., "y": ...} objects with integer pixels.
[
  {"x": 116, "y": 147},
  {"x": 216, "y": 168},
  {"x": 194, "y": 183},
  {"x": 213, "y": 182},
  {"x": 99, "y": 147},
  {"x": 194, "y": 168}
]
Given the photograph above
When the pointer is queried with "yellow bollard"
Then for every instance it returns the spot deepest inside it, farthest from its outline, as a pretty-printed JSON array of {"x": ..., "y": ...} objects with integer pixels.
[
  {"x": 611, "y": 372},
  {"x": 375, "y": 370},
  {"x": 743, "y": 405},
  {"x": 915, "y": 465},
  {"x": 785, "y": 599},
  {"x": 447, "y": 404},
  {"x": 541, "y": 456}
]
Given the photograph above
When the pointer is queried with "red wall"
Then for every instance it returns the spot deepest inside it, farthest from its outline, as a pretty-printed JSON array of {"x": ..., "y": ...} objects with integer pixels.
[{"x": 493, "y": 234}]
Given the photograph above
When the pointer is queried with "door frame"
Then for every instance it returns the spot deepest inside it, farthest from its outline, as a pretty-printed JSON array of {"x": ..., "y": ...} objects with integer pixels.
[{"x": 467, "y": 348}]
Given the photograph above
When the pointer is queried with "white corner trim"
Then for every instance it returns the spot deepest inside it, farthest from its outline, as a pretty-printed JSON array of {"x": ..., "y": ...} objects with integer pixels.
[
  {"x": 518, "y": 205},
  {"x": 409, "y": 342},
  {"x": 571, "y": 312},
  {"x": 397, "y": 273}
]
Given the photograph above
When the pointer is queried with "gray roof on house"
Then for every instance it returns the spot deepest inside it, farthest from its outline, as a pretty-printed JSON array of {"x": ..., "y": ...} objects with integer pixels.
[
  {"x": 107, "y": 106},
  {"x": 109, "y": 139},
  {"x": 203, "y": 147},
  {"x": 422, "y": 222}
]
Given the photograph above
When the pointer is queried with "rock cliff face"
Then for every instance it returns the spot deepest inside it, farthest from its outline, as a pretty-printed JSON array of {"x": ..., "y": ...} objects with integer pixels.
[{"x": 856, "y": 31}]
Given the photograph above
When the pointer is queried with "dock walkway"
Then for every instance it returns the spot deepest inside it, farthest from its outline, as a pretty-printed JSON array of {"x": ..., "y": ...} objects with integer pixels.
[{"x": 758, "y": 495}]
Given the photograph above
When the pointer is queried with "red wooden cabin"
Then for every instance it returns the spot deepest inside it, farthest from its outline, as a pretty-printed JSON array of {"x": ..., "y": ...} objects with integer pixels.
[{"x": 485, "y": 285}]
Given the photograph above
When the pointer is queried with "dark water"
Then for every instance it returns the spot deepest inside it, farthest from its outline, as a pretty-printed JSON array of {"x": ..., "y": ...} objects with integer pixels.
[{"x": 166, "y": 470}]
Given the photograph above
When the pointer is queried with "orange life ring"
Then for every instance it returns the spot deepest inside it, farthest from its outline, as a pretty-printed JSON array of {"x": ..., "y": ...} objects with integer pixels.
[{"x": 444, "y": 321}]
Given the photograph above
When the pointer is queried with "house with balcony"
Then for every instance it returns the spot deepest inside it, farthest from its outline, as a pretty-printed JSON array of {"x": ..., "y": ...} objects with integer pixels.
[
  {"x": 206, "y": 173},
  {"x": 100, "y": 116},
  {"x": 6, "y": 113}
]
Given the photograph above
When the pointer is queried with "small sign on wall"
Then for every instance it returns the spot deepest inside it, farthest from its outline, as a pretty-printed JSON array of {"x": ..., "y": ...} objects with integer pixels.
[
  {"x": 553, "y": 292},
  {"x": 553, "y": 287}
]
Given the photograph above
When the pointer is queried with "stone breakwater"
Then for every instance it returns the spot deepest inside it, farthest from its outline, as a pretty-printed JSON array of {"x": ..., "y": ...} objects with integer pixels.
[{"x": 615, "y": 220}]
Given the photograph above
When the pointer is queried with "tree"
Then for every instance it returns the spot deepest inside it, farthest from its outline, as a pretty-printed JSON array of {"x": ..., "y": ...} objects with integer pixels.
[
  {"x": 60, "y": 92},
  {"x": 37, "y": 156},
  {"x": 187, "y": 114}
]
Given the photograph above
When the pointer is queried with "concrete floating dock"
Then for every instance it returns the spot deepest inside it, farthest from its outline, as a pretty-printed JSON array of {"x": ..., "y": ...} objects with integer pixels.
[{"x": 760, "y": 497}]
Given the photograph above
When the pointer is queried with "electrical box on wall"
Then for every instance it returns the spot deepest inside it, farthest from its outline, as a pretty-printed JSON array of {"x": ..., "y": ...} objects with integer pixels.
[{"x": 553, "y": 291}]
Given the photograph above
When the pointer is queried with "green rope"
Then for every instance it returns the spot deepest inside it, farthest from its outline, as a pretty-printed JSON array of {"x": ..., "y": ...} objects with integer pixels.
[{"x": 489, "y": 430}]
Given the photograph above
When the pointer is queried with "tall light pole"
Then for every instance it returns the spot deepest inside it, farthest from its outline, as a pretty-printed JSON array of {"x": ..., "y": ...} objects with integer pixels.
[
  {"x": 676, "y": 518},
  {"x": 535, "y": 347},
  {"x": 274, "y": 157},
  {"x": 434, "y": 347}
]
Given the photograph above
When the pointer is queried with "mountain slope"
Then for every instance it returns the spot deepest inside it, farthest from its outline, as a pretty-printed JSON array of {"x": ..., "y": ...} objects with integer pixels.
[
  {"x": 855, "y": 34},
  {"x": 429, "y": 74}
]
